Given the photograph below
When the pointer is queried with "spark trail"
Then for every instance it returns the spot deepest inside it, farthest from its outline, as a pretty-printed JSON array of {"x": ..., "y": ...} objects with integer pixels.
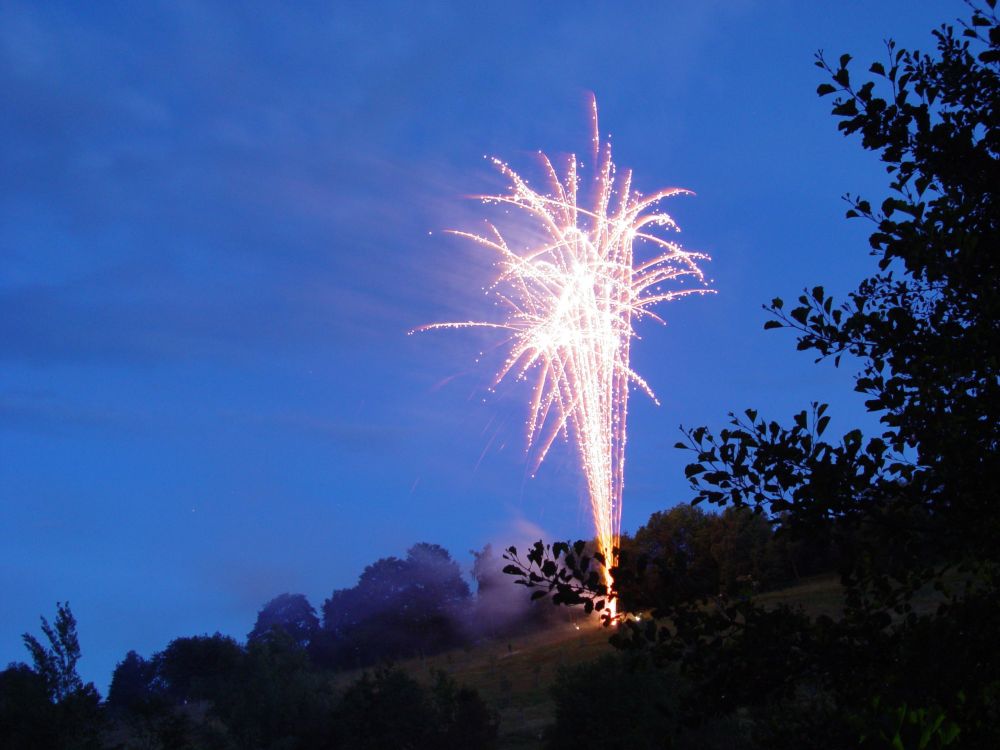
[{"x": 570, "y": 306}]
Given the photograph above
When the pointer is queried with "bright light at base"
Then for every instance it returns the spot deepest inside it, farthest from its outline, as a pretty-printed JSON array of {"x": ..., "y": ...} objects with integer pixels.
[{"x": 570, "y": 305}]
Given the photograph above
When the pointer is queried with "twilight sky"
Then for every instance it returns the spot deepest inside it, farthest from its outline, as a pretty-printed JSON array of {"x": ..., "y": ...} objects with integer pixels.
[{"x": 217, "y": 226}]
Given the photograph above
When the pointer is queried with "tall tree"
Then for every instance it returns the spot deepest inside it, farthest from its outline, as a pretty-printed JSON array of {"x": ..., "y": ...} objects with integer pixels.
[
  {"x": 74, "y": 707},
  {"x": 134, "y": 683},
  {"x": 56, "y": 663},
  {"x": 398, "y": 607},
  {"x": 290, "y": 613},
  {"x": 199, "y": 667}
]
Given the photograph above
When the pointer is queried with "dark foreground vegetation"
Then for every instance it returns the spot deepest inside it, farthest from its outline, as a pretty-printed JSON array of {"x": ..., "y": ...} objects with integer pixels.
[
  {"x": 705, "y": 658},
  {"x": 911, "y": 510}
]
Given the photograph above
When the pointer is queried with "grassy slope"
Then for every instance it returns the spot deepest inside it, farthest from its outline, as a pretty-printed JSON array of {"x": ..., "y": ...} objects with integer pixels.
[{"x": 513, "y": 675}]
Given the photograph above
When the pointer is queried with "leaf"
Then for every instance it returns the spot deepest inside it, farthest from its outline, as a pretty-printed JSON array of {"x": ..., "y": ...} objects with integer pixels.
[
  {"x": 949, "y": 734},
  {"x": 772, "y": 324},
  {"x": 825, "y": 88},
  {"x": 821, "y": 425},
  {"x": 692, "y": 470},
  {"x": 847, "y": 108}
]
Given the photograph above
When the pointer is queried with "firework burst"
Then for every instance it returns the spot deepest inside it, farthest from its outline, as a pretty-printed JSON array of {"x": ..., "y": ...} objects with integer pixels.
[{"x": 570, "y": 306}]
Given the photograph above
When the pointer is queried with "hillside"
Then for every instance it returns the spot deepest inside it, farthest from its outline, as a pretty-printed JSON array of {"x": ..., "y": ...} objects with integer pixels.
[{"x": 514, "y": 675}]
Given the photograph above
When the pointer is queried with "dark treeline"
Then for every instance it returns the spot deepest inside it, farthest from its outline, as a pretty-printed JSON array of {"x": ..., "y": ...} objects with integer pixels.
[
  {"x": 402, "y": 608},
  {"x": 276, "y": 689},
  {"x": 736, "y": 553},
  {"x": 211, "y": 692}
]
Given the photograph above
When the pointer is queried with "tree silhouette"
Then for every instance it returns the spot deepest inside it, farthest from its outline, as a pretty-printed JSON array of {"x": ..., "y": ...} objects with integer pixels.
[
  {"x": 398, "y": 608},
  {"x": 388, "y": 709},
  {"x": 50, "y": 701},
  {"x": 56, "y": 663},
  {"x": 290, "y": 613}
]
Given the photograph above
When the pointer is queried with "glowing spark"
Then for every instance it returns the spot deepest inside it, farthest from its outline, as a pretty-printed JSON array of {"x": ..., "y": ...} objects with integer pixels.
[{"x": 571, "y": 303}]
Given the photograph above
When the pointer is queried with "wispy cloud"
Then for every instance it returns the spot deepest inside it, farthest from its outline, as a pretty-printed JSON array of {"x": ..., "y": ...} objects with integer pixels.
[{"x": 43, "y": 411}]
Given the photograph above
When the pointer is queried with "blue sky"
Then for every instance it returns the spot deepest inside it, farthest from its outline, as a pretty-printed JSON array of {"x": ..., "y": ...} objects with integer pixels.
[{"x": 218, "y": 222}]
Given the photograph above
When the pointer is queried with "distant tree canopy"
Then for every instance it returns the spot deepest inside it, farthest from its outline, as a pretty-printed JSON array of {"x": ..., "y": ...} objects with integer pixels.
[
  {"x": 911, "y": 510},
  {"x": 693, "y": 554},
  {"x": 198, "y": 667},
  {"x": 398, "y": 608},
  {"x": 208, "y": 691},
  {"x": 291, "y": 614},
  {"x": 135, "y": 683}
]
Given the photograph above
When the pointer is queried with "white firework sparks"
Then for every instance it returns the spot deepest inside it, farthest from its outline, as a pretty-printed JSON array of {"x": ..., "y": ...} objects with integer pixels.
[{"x": 571, "y": 304}]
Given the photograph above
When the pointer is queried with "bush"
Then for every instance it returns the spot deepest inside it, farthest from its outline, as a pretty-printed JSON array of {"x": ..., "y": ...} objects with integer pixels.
[
  {"x": 617, "y": 701},
  {"x": 388, "y": 709}
]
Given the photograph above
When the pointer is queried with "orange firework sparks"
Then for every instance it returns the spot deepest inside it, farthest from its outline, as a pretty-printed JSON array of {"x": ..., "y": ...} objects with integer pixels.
[{"x": 571, "y": 303}]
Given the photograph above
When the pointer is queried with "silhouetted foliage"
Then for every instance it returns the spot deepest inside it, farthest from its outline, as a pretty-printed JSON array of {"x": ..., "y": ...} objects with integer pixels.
[
  {"x": 56, "y": 663},
  {"x": 398, "y": 608},
  {"x": 50, "y": 706},
  {"x": 278, "y": 700},
  {"x": 146, "y": 716},
  {"x": 389, "y": 709},
  {"x": 208, "y": 691},
  {"x": 212, "y": 692},
  {"x": 910, "y": 509},
  {"x": 28, "y": 718},
  {"x": 617, "y": 701},
  {"x": 290, "y": 613},
  {"x": 199, "y": 668},
  {"x": 681, "y": 539},
  {"x": 134, "y": 684},
  {"x": 694, "y": 554}
]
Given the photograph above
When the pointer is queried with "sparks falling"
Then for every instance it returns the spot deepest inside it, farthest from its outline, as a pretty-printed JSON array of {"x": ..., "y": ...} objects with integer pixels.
[{"x": 571, "y": 304}]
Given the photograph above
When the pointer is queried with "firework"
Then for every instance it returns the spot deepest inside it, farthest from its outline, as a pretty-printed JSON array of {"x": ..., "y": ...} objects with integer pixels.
[{"x": 570, "y": 305}]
